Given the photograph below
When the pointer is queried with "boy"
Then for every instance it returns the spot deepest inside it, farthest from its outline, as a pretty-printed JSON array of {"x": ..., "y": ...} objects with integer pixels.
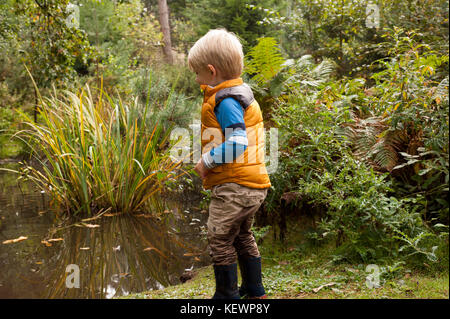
[{"x": 232, "y": 162}]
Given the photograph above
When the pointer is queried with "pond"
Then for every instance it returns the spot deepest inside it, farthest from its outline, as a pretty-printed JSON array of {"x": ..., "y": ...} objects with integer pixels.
[{"x": 110, "y": 256}]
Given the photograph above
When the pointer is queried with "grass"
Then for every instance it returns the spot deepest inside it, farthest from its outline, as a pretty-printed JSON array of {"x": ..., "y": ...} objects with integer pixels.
[
  {"x": 298, "y": 273},
  {"x": 282, "y": 284},
  {"x": 97, "y": 153}
]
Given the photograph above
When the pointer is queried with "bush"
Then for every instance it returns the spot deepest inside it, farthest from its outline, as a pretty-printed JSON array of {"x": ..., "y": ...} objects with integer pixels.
[
  {"x": 359, "y": 210},
  {"x": 401, "y": 125}
]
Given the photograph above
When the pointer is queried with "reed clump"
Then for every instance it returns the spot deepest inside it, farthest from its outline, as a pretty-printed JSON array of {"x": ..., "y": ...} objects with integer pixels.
[{"x": 97, "y": 153}]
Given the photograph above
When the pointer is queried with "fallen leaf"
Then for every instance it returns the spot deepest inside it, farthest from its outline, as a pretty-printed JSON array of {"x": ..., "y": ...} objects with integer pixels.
[
  {"x": 55, "y": 239},
  {"x": 323, "y": 286},
  {"x": 196, "y": 259},
  {"x": 85, "y": 248},
  {"x": 46, "y": 243},
  {"x": 190, "y": 254},
  {"x": 91, "y": 225},
  {"x": 38, "y": 262},
  {"x": 11, "y": 241}
]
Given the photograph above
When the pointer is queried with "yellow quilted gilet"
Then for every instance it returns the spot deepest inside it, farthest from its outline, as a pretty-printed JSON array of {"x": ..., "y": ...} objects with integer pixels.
[{"x": 249, "y": 168}]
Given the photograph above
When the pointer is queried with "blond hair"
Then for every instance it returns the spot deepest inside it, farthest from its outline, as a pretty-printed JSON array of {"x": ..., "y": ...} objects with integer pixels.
[{"x": 220, "y": 48}]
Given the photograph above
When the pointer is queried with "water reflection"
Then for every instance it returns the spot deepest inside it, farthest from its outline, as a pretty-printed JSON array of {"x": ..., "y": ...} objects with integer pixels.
[{"x": 116, "y": 255}]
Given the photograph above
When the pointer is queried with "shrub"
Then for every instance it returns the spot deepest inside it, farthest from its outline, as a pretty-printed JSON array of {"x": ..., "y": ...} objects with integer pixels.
[
  {"x": 357, "y": 205},
  {"x": 401, "y": 125}
]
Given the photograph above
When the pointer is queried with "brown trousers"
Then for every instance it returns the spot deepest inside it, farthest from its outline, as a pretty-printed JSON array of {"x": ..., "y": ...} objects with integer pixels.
[{"x": 231, "y": 213}]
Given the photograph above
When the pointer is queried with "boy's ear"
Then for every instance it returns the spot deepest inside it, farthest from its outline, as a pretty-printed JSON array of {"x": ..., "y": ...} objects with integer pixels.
[{"x": 212, "y": 69}]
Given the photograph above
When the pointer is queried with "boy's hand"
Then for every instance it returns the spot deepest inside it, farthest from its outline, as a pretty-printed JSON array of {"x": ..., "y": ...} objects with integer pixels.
[{"x": 201, "y": 169}]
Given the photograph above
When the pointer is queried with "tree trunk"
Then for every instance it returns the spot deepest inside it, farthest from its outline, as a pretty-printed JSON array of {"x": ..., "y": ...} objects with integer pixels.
[{"x": 165, "y": 28}]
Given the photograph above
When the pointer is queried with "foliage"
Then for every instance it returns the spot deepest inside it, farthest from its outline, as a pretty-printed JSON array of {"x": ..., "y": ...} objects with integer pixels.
[
  {"x": 336, "y": 135},
  {"x": 355, "y": 204},
  {"x": 339, "y": 29},
  {"x": 125, "y": 36},
  {"x": 46, "y": 39},
  {"x": 272, "y": 76},
  {"x": 324, "y": 28},
  {"x": 265, "y": 60},
  {"x": 402, "y": 124},
  {"x": 260, "y": 232},
  {"x": 169, "y": 106},
  {"x": 234, "y": 15},
  {"x": 428, "y": 18}
]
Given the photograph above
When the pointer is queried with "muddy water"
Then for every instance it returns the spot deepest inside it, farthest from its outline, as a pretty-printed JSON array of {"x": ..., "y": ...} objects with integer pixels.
[{"x": 104, "y": 258}]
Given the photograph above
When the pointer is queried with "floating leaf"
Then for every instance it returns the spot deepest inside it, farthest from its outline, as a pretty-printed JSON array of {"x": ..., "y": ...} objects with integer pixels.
[
  {"x": 91, "y": 225},
  {"x": 11, "y": 241},
  {"x": 190, "y": 254},
  {"x": 55, "y": 239},
  {"x": 46, "y": 243}
]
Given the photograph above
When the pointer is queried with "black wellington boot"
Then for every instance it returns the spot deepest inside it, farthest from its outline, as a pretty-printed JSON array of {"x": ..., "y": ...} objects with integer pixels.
[
  {"x": 252, "y": 286},
  {"x": 226, "y": 282}
]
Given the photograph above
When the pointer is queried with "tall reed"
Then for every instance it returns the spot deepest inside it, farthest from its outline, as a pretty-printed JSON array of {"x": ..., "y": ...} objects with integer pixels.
[{"x": 98, "y": 153}]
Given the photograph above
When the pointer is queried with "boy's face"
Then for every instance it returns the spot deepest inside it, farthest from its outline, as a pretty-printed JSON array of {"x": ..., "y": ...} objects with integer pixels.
[
  {"x": 204, "y": 77},
  {"x": 208, "y": 76}
]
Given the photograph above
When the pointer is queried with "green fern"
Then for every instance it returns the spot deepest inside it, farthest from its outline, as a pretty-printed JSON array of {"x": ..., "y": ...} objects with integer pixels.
[
  {"x": 307, "y": 74},
  {"x": 264, "y": 61}
]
